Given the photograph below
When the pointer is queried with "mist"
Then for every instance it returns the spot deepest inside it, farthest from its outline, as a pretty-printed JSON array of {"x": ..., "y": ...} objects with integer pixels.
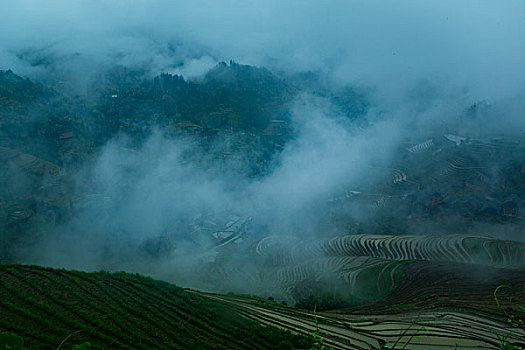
[
  {"x": 386, "y": 45},
  {"x": 420, "y": 65},
  {"x": 169, "y": 184}
]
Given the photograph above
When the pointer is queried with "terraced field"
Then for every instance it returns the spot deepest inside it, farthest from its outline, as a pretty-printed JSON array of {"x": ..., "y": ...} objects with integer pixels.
[
  {"x": 451, "y": 309},
  {"x": 371, "y": 265},
  {"x": 428, "y": 305},
  {"x": 451, "y": 248},
  {"x": 423, "y": 329},
  {"x": 431, "y": 292},
  {"x": 123, "y": 311}
]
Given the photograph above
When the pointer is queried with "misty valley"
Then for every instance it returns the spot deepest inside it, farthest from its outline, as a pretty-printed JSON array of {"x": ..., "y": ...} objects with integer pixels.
[{"x": 168, "y": 197}]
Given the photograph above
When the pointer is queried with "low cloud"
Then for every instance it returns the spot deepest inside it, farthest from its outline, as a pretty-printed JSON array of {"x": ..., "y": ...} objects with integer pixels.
[
  {"x": 389, "y": 45},
  {"x": 422, "y": 65}
]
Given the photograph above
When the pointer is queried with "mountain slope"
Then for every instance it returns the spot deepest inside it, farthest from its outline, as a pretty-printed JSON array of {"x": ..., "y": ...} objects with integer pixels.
[
  {"x": 421, "y": 329},
  {"x": 123, "y": 311}
]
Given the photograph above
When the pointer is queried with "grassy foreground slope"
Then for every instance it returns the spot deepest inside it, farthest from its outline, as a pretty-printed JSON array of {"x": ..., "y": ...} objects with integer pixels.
[{"x": 123, "y": 311}]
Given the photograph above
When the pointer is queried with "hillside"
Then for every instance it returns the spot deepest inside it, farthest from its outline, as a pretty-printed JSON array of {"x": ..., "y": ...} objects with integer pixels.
[
  {"x": 123, "y": 311},
  {"x": 193, "y": 182},
  {"x": 126, "y": 311},
  {"x": 424, "y": 328}
]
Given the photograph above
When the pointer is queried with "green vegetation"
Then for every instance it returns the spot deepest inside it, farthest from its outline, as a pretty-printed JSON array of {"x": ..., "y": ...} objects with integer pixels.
[
  {"x": 328, "y": 301},
  {"x": 47, "y": 134},
  {"x": 66, "y": 129},
  {"x": 515, "y": 318},
  {"x": 122, "y": 311},
  {"x": 373, "y": 283},
  {"x": 326, "y": 294},
  {"x": 9, "y": 341},
  {"x": 318, "y": 338},
  {"x": 253, "y": 297}
]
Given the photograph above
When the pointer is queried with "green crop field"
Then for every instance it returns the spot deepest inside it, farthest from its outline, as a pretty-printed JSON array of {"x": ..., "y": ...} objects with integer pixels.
[{"x": 123, "y": 311}]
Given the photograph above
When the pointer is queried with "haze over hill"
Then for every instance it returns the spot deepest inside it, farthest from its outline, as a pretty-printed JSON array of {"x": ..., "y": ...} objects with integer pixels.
[{"x": 133, "y": 145}]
